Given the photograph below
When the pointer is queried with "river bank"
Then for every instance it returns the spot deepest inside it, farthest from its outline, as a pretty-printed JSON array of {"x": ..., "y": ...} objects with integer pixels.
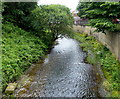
[
  {"x": 100, "y": 56},
  {"x": 20, "y": 49}
]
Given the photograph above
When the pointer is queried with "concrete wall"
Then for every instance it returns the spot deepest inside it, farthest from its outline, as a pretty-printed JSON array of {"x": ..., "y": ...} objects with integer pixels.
[{"x": 111, "y": 40}]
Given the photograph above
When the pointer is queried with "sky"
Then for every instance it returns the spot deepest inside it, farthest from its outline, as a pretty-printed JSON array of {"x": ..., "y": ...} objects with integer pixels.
[{"x": 72, "y": 4}]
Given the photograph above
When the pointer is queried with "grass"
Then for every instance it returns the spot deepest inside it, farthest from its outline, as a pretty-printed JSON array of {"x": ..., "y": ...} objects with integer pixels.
[{"x": 99, "y": 54}]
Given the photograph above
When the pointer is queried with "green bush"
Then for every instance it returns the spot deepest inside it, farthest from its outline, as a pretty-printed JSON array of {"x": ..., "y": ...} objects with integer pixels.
[{"x": 19, "y": 50}]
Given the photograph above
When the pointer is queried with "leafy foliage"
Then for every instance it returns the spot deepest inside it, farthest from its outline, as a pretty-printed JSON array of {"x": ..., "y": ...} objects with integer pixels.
[
  {"x": 55, "y": 19},
  {"x": 19, "y": 50},
  {"x": 18, "y": 13},
  {"x": 100, "y": 14}
]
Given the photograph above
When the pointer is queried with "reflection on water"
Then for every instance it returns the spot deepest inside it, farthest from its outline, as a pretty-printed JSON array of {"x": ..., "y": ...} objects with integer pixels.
[{"x": 64, "y": 73}]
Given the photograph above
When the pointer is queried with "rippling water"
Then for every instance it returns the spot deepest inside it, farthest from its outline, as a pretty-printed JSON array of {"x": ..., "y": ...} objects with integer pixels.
[{"x": 64, "y": 73}]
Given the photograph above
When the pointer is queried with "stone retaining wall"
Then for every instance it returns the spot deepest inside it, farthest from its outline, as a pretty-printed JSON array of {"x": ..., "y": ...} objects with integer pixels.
[{"x": 111, "y": 40}]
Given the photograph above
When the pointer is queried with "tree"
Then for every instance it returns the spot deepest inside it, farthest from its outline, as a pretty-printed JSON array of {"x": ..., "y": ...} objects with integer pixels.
[
  {"x": 18, "y": 13},
  {"x": 101, "y": 14},
  {"x": 51, "y": 21},
  {"x": 60, "y": 19},
  {"x": 81, "y": 7}
]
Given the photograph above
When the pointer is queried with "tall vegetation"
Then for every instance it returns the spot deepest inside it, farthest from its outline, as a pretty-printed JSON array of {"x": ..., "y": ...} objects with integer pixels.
[
  {"x": 51, "y": 21},
  {"x": 28, "y": 32},
  {"x": 100, "y": 14},
  {"x": 18, "y": 13},
  {"x": 19, "y": 50}
]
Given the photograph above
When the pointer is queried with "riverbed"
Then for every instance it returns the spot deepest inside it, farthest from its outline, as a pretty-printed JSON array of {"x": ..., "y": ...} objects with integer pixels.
[{"x": 63, "y": 74}]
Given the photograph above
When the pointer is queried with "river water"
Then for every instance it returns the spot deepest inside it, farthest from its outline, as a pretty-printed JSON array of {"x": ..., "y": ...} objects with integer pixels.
[{"x": 64, "y": 73}]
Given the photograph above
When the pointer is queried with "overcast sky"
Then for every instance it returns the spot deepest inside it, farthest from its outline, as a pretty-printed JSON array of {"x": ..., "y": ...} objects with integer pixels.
[{"x": 72, "y": 4}]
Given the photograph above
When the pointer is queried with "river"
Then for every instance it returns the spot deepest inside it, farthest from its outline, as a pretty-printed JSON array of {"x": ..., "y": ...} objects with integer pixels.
[{"x": 64, "y": 73}]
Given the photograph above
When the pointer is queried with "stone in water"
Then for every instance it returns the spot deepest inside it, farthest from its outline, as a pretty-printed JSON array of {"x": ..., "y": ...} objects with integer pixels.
[{"x": 11, "y": 87}]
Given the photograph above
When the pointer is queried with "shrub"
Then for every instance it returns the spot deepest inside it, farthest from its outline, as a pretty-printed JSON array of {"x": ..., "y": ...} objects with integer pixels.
[{"x": 19, "y": 50}]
